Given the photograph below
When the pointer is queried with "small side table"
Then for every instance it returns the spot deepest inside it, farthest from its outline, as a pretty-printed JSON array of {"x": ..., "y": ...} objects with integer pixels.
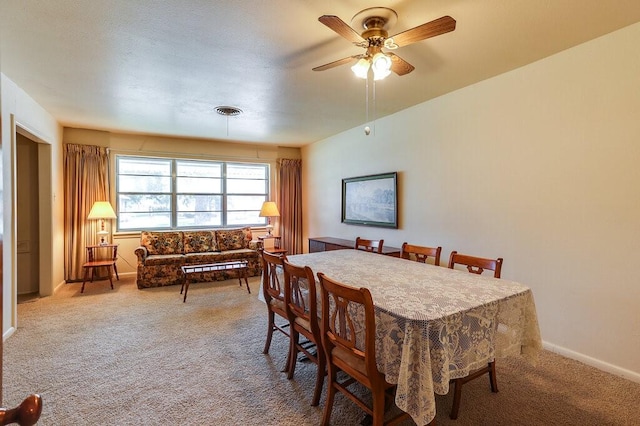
[
  {"x": 277, "y": 240},
  {"x": 94, "y": 262}
]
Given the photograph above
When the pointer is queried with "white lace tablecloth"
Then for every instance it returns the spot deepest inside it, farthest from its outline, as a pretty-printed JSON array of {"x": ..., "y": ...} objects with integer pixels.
[{"x": 434, "y": 324}]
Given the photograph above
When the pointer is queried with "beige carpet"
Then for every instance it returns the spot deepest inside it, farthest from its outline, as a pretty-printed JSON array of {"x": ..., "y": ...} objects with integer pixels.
[{"x": 142, "y": 357}]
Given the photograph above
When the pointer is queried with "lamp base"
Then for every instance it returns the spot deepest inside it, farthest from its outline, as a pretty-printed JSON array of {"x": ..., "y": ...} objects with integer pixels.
[
  {"x": 103, "y": 241},
  {"x": 269, "y": 229}
]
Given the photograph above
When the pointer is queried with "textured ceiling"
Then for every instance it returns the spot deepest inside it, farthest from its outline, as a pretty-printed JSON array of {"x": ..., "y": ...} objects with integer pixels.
[{"x": 161, "y": 67}]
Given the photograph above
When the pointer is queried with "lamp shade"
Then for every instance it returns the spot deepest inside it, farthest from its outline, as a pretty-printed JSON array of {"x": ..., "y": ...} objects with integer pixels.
[
  {"x": 269, "y": 209},
  {"x": 102, "y": 210}
]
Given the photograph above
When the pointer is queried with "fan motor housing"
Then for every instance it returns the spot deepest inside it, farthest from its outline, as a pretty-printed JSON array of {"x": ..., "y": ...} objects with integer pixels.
[
  {"x": 375, "y": 27},
  {"x": 375, "y": 33}
]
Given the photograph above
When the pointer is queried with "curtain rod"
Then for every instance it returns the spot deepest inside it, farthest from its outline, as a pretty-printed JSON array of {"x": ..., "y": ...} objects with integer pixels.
[{"x": 189, "y": 155}]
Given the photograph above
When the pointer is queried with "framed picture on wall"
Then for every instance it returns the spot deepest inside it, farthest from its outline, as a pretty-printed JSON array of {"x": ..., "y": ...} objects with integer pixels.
[{"x": 371, "y": 200}]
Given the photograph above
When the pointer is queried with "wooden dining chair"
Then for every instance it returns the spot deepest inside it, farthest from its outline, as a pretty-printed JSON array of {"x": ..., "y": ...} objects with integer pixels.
[
  {"x": 374, "y": 246},
  {"x": 273, "y": 292},
  {"x": 349, "y": 341},
  {"x": 475, "y": 265},
  {"x": 302, "y": 308},
  {"x": 420, "y": 253}
]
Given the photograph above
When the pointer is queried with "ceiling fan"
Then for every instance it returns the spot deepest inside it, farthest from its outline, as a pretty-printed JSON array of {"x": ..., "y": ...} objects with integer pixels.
[{"x": 375, "y": 23}]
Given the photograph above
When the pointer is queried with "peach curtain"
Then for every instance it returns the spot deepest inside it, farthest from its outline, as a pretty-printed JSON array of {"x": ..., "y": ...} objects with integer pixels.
[
  {"x": 290, "y": 204},
  {"x": 86, "y": 180}
]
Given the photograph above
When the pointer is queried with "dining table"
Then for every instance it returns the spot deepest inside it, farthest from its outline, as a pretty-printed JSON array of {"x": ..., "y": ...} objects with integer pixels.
[{"x": 434, "y": 324}]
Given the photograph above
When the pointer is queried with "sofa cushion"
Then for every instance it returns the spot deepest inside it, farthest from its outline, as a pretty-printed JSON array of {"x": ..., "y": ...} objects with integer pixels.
[
  {"x": 162, "y": 242},
  {"x": 222, "y": 256},
  {"x": 164, "y": 259},
  {"x": 233, "y": 239},
  {"x": 202, "y": 258},
  {"x": 199, "y": 242}
]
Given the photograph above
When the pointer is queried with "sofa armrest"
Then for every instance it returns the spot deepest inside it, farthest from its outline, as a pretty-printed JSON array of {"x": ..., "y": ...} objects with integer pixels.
[{"x": 142, "y": 254}]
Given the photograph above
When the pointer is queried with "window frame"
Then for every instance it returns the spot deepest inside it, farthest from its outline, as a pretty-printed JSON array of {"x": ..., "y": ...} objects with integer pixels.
[{"x": 174, "y": 194}]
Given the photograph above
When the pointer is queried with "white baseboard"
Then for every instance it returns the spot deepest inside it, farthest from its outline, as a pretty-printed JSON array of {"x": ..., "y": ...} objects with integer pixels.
[
  {"x": 59, "y": 286},
  {"x": 600, "y": 365},
  {"x": 8, "y": 333}
]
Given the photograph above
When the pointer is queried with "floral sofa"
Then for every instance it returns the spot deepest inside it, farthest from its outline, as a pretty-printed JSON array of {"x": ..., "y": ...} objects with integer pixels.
[{"x": 162, "y": 254}]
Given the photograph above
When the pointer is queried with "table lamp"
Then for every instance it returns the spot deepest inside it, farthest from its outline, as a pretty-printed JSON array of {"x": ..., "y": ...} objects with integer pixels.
[
  {"x": 102, "y": 210},
  {"x": 269, "y": 210}
]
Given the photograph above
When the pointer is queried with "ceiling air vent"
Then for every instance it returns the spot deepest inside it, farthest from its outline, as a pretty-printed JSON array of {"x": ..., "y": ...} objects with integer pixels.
[{"x": 228, "y": 111}]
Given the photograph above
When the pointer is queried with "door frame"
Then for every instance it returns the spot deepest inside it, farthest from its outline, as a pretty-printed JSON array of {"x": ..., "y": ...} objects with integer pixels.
[{"x": 45, "y": 215}]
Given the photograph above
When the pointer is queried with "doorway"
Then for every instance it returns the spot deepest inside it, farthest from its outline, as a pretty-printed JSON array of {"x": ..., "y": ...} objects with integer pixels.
[{"x": 27, "y": 218}]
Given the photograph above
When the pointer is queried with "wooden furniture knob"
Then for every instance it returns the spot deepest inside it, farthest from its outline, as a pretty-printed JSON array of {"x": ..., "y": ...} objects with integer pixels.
[{"x": 26, "y": 414}]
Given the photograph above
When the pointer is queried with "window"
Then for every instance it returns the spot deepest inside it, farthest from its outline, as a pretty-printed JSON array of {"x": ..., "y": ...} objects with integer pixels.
[{"x": 164, "y": 193}]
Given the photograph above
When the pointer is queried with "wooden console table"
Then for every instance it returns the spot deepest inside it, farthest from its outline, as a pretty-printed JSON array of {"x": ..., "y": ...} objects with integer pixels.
[{"x": 330, "y": 243}]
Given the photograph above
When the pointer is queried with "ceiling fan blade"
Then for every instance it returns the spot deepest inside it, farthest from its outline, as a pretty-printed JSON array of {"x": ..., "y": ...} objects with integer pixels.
[
  {"x": 339, "y": 26},
  {"x": 399, "y": 65},
  {"x": 424, "y": 31},
  {"x": 336, "y": 63}
]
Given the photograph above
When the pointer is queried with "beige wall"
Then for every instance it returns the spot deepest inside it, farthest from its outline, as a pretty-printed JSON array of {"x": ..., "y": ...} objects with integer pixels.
[
  {"x": 539, "y": 166},
  {"x": 20, "y": 113},
  {"x": 173, "y": 147}
]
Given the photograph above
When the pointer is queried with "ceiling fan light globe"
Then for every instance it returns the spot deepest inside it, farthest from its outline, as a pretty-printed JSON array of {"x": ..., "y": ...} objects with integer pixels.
[
  {"x": 361, "y": 68},
  {"x": 379, "y": 75},
  {"x": 381, "y": 62}
]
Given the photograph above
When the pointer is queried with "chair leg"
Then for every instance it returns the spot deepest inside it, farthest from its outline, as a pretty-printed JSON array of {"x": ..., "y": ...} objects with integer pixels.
[
  {"x": 84, "y": 279},
  {"x": 110, "y": 278},
  {"x": 457, "y": 394},
  {"x": 267, "y": 344},
  {"x": 287, "y": 363},
  {"x": 492, "y": 376},
  {"x": 319, "y": 379},
  {"x": 294, "y": 336},
  {"x": 331, "y": 393},
  {"x": 378, "y": 407},
  {"x": 115, "y": 269}
]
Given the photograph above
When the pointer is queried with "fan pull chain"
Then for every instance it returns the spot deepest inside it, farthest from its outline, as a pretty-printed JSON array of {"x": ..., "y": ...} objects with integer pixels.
[
  {"x": 374, "y": 107},
  {"x": 367, "y": 130}
]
